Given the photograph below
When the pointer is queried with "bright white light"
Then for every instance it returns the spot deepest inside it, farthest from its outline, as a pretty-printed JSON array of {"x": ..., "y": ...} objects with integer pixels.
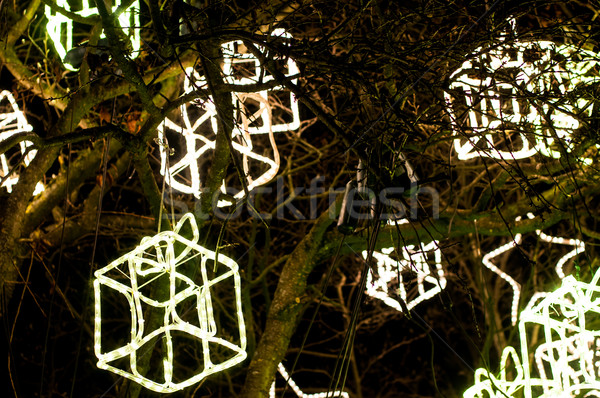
[
  {"x": 414, "y": 262},
  {"x": 199, "y": 135},
  {"x": 565, "y": 346},
  {"x": 495, "y": 80},
  {"x": 13, "y": 121},
  {"x": 299, "y": 392},
  {"x": 60, "y": 27},
  {"x": 259, "y": 121},
  {"x": 166, "y": 255}
]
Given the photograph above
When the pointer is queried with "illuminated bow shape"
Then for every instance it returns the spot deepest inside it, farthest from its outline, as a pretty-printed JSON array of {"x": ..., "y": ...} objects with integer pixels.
[
  {"x": 501, "y": 386},
  {"x": 190, "y": 273},
  {"x": 13, "y": 121}
]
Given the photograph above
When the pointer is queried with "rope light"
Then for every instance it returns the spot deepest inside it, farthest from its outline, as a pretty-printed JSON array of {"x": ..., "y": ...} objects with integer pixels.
[
  {"x": 493, "y": 104},
  {"x": 60, "y": 27},
  {"x": 261, "y": 120},
  {"x": 131, "y": 277},
  {"x": 566, "y": 354},
  {"x": 299, "y": 392},
  {"x": 198, "y": 145},
  {"x": 13, "y": 121},
  {"x": 414, "y": 262}
]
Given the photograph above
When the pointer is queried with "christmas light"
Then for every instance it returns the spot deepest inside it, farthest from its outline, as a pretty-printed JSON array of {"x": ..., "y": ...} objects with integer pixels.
[
  {"x": 60, "y": 27},
  {"x": 498, "y": 84},
  {"x": 566, "y": 352},
  {"x": 187, "y": 310},
  {"x": 260, "y": 121},
  {"x": 414, "y": 263},
  {"x": 198, "y": 134},
  {"x": 298, "y": 391},
  {"x": 13, "y": 121}
]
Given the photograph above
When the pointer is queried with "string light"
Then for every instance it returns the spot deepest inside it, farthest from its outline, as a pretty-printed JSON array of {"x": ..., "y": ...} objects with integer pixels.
[
  {"x": 156, "y": 257},
  {"x": 60, "y": 27},
  {"x": 567, "y": 354},
  {"x": 493, "y": 105},
  {"x": 414, "y": 262},
  {"x": 198, "y": 145},
  {"x": 13, "y": 121},
  {"x": 299, "y": 392}
]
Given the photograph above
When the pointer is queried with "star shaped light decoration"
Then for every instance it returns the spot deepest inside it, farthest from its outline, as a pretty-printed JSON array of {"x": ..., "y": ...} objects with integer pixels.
[
  {"x": 515, "y": 286},
  {"x": 60, "y": 27},
  {"x": 393, "y": 280},
  {"x": 326, "y": 394},
  {"x": 566, "y": 352},
  {"x": 168, "y": 284},
  {"x": 488, "y": 106},
  {"x": 13, "y": 121}
]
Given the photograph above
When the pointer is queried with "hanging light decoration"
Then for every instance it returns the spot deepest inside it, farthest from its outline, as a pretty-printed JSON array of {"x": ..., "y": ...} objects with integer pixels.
[
  {"x": 60, "y": 27},
  {"x": 513, "y": 86},
  {"x": 421, "y": 264},
  {"x": 172, "y": 280},
  {"x": 566, "y": 352},
  {"x": 327, "y": 394},
  {"x": 13, "y": 121}
]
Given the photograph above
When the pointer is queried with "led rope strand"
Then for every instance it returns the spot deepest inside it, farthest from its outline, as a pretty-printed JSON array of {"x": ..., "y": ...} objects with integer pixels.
[
  {"x": 299, "y": 392},
  {"x": 181, "y": 288},
  {"x": 13, "y": 122}
]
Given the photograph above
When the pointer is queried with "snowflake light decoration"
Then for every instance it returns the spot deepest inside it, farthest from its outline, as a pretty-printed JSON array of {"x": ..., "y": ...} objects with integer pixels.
[
  {"x": 241, "y": 68},
  {"x": 327, "y": 394},
  {"x": 198, "y": 131},
  {"x": 60, "y": 27},
  {"x": 392, "y": 277},
  {"x": 13, "y": 121},
  {"x": 567, "y": 361},
  {"x": 191, "y": 274},
  {"x": 494, "y": 84}
]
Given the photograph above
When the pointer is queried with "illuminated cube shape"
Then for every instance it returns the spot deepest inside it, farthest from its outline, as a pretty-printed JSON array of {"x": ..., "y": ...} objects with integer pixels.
[
  {"x": 420, "y": 266},
  {"x": 169, "y": 284},
  {"x": 192, "y": 140},
  {"x": 255, "y": 115},
  {"x": 60, "y": 27},
  {"x": 13, "y": 121},
  {"x": 511, "y": 100}
]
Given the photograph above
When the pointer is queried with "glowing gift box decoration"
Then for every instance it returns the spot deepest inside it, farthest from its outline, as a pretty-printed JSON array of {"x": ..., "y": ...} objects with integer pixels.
[
  {"x": 326, "y": 394},
  {"x": 255, "y": 115},
  {"x": 511, "y": 101},
  {"x": 13, "y": 121},
  {"x": 197, "y": 136},
  {"x": 186, "y": 317},
  {"x": 567, "y": 360},
  {"x": 60, "y": 27},
  {"x": 392, "y": 277}
]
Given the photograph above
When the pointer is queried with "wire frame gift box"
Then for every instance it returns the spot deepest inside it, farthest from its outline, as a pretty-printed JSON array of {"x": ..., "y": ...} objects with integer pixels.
[
  {"x": 414, "y": 276},
  {"x": 13, "y": 121},
  {"x": 564, "y": 360},
  {"x": 60, "y": 27},
  {"x": 186, "y": 146},
  {"x": 515, "y": 99},
  {"x": 169, "y": 287},
  {"x": 255, "y": 114}
]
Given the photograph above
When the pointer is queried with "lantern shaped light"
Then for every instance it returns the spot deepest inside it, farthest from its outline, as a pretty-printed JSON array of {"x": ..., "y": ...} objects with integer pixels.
[
  {"x": 168, "y": 284},
  {"x": 391, "y": 278},
  {"x": 60, "y": 27},
  {"x": 197, "y": 136},
  {"x": 566, "y": 353},
  {"x": 326, "y": 394},
  {"x": 13, "y": 121},
  {"x": 255, "y": 114},
  {"x": 501, "y": 92}
]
